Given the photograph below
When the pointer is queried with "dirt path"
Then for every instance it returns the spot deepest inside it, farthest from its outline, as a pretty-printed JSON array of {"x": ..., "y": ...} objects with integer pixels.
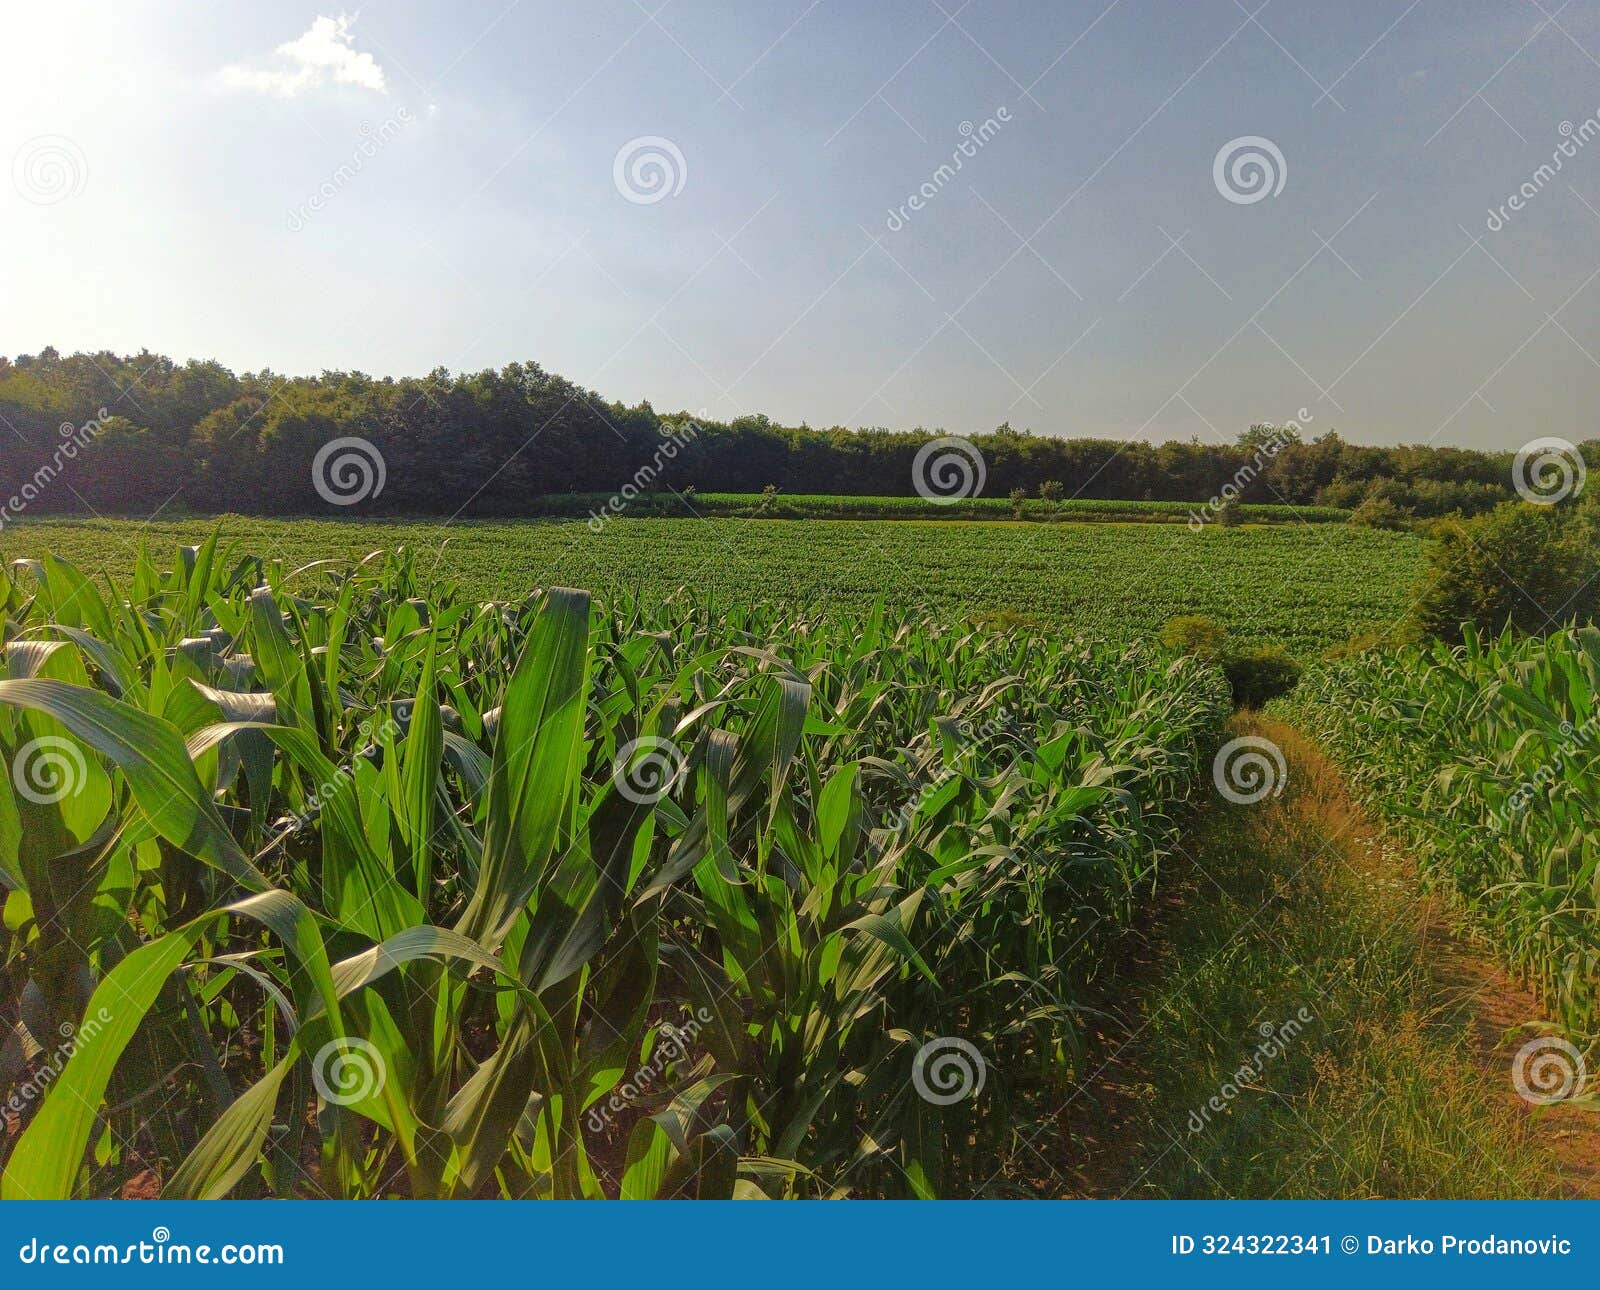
[
  {"x": 1495, "y": 1011},
  {"x": 1300, "y": 1019}
]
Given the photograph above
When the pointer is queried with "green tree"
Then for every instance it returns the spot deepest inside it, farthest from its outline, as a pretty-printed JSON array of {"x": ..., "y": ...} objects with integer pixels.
[{"x": 1524, "y": 566}]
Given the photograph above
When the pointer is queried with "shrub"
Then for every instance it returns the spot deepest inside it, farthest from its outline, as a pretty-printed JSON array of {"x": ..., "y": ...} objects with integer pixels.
[
  {"x": 1431, "y": 498},
  {"x": 1230, "y": 513},
  {"x": 1585, "y": 520},
  {"x": 1260, "y": 673},
  {"x": 1524, "y": 566},
  {"x": 1257, "y": 673},
  {"x": 1378, "y": 512},
  {"x": 1051, "y": 490},
  {"x": 1019, "y": 499},
  {"x": 1196, "y": 634}
]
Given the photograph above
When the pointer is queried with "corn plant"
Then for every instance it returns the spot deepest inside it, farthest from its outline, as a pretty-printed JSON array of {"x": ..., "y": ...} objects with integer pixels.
[
  {"x": 347, "y": 885},
  {"x": 1486, "y": 757}
]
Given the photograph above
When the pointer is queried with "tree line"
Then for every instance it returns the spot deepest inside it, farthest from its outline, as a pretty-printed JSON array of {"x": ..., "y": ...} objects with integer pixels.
[{"x": 196, "y": 437}]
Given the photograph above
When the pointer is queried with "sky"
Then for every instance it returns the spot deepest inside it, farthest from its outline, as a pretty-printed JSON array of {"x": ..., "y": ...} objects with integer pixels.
[{"x": 1168, "y": 220}]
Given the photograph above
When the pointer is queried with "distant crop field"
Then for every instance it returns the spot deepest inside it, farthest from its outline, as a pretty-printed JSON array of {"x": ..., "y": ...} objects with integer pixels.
[
  {"x": 837, "y": 506},
  {"x": 1306, "y": 587}
]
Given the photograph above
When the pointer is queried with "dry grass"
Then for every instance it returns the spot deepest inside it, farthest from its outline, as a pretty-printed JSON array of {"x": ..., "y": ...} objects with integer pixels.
[{"x": 1298, "y": 902}]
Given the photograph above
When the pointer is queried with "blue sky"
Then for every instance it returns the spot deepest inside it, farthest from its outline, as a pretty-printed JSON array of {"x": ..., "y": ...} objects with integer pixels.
[{"x": 419, "y": 184}]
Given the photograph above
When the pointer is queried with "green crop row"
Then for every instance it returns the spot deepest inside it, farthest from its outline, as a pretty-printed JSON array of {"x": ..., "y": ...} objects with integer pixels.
[
  {"x": 339, "y": 882},
  {"x": 1486, "y": 759}
]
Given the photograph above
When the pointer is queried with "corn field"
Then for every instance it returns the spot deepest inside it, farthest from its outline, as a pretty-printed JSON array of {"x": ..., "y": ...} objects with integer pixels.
[
  {"x": 1486, "y": 758},
  {"x": 331, "y": 881}
]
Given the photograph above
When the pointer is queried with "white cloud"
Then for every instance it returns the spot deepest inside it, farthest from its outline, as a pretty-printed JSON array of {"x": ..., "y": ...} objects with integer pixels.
[{"x": 325, "y": 53}]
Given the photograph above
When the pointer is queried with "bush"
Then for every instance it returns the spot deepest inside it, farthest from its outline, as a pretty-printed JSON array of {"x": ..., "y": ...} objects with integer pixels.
[
  {"x": 1524, "y": 566},
  {"x": 1378, "y": 512},
  {"x": 1430, "y": 498},
  {"x": 1260, "y": 673},
  {"x": 1257, "y": 673},
  {"x": 1019, "y": 500},
  {"x": 1230, "y": 513},
  {"x": 1051, "y": 490},
  {"x": 1585, "y": 519},
  {"x": 1196, "y": 634}
]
